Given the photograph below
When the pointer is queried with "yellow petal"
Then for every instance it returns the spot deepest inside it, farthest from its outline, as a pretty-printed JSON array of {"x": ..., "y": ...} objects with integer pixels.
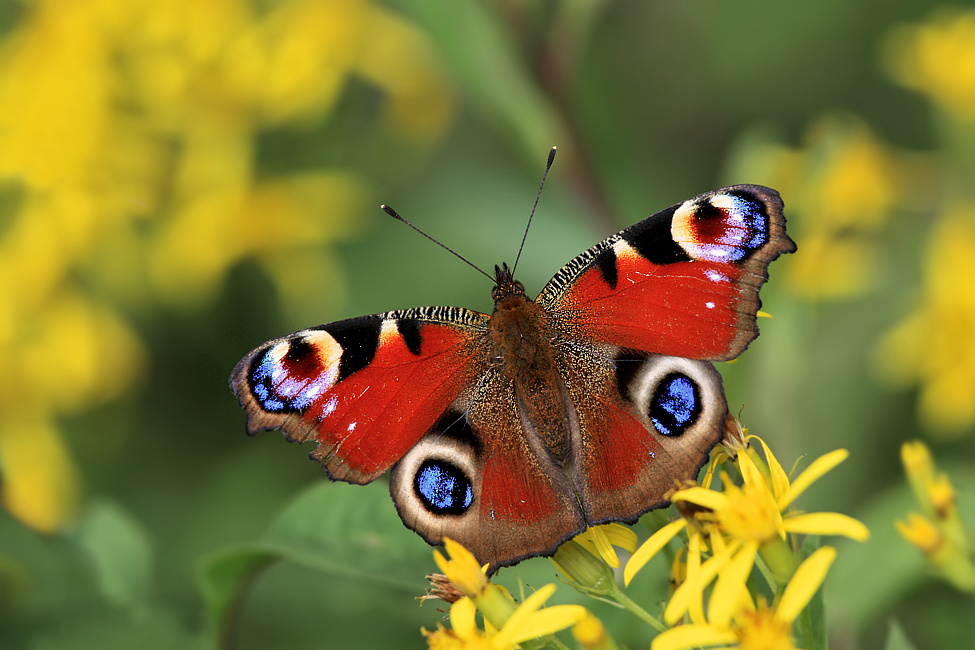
[
  {"x": 827, "y": 523},
  {"x": 603, "y": 546},
  {"x": 693, "y": 587},
  {"x": 731, "y": 586},
  {"x": 462, "y": 618},
  {"x": 547, "y": 621},
  {"x": 780, "y": 481},
  {"x": 806, "y": 580},
  {"x": 650, "y": 548},
  {"x": 621, "y": 536},
  {"x": 706, "y": 498},
  {"x": 693, "y": 636},
  {"x": 40, "y": 481},
  {"x": 815, "y": 470}
]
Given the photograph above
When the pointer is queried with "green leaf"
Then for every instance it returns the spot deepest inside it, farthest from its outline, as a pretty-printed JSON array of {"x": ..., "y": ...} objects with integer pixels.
[
  {"x": 337, "y": 528},
  {"x": 120, "y": 550},
  {"x": 474, "y": 43},
  {"x": 224, "y": 577},
  {"x": 897, "y": 640},
  {"x": 812, "y": 620}
]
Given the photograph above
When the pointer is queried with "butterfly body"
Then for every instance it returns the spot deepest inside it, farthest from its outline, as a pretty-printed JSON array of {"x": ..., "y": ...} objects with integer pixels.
[{"x": 512, "y": 432}]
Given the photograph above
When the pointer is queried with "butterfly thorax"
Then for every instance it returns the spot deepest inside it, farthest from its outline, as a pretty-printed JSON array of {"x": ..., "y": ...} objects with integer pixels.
[{"x": 521, "y": 343}]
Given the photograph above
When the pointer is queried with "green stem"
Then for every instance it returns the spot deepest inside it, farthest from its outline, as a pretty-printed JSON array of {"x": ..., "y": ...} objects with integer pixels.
[{"x": 629, "y": 604}]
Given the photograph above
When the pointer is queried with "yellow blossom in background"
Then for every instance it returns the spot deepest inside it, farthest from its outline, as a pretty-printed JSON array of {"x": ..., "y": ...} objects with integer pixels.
[
  {"x": 934, "y": 347},
  {"x": 940, "y": 532},
  {"x": 937, "y": 58},
  {"x": 840, "y": 188},
  {"x": 127, "y": 157}
]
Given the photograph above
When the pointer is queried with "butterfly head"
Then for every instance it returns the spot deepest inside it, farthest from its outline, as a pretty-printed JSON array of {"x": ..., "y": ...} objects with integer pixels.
[{"x": 504, "y": 284}]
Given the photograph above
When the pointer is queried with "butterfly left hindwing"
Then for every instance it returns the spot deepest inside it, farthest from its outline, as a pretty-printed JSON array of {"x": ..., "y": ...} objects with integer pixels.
[{"x": 511, "y": 433}]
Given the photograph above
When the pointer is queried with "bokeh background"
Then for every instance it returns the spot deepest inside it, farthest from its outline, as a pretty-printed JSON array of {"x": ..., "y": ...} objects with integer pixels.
[{"x": 182, "y": 180}]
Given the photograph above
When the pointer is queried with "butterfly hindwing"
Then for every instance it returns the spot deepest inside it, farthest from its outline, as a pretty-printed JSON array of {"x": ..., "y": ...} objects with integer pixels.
[
  {"x": 683, "y": 282},
  {"x": 366, "y": 389},
  {"x": 645, "y": 423},
  {"x": 479, "y": 478}
]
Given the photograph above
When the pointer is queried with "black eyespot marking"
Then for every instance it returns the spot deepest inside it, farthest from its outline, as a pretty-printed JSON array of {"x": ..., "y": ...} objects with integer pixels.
[
  {"x": 606, "y": 263},
  {"x": 410, "y": 331},
  {"x": 443, "y": 488},
  {"x": 655, "y": 243},
  {"x": 675, "y": 404},
  {"x": 358, "y": 342}
]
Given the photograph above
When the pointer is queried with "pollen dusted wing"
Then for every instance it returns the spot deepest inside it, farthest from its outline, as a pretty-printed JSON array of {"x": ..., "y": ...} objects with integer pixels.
[{"x": 366, "y": 389}]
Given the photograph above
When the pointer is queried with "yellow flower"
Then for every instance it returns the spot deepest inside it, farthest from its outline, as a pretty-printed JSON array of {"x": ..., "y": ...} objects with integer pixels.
[
  {"x": 937, "y": 58},
  {"x": 128, "y": 158},
  {"x": 933, "y": 347},
  {"x": 758, "y": 511},
  {"x": 840, "y": 186},
  {"x": 739, "y": 523},
  {"x": 941, "y": 535},
  {"x": 528, "y": 621},
  {"x": 733, "y": 621},
  {"x": 462, "y": 569},
  {"x": 600, "y": 541},
  {"x": 591, "y": 634}
]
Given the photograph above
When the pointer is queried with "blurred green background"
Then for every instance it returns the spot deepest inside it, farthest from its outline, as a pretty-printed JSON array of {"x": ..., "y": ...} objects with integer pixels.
[{"x": 182, "y": 180}]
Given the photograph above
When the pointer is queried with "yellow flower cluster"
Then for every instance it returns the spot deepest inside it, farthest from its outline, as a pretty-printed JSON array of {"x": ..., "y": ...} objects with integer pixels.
[
  {"x": 729, "y": 531},
  {"x": 506, "y": 625},
  {"x": 128, "y": 180},
  {"x": 934, "y": 347},
  {"x": 840, "y": 186},
  {"x": 937, "y": 58},
  {"x": 940, "y": 532}
]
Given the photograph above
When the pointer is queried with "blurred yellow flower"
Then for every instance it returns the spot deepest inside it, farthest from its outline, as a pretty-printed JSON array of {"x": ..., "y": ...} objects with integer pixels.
[
  {"x": 937, "y": 58},
  {"x": 840, "y": 188},
  {"x": 940, "y": 533},
  {"x": 128, "y": 158},
  {"x": 934, "y": 347}
]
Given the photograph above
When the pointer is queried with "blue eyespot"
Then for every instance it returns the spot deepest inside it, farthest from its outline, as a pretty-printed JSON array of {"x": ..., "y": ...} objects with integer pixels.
[
  {"x": 675, "y": 405},
  {"x": 262, "y": 381},
  {"x": 443, "y": 488}
]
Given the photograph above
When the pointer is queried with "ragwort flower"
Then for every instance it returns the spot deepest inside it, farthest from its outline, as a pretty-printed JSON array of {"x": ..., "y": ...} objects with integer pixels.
[
  {"x": 506, "y": 624},
  {"x": 128, "y": 158},
  {"x": 733, "y": 620}
]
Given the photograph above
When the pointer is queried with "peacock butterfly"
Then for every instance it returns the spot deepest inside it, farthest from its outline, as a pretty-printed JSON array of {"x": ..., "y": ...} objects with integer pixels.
[{"x": 514, "y": 431}]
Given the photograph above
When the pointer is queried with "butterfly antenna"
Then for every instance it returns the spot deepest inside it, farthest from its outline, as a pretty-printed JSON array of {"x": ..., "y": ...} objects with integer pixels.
[
  {"x": 548, "y": 166},
  {"x": 391, "y": 212}
]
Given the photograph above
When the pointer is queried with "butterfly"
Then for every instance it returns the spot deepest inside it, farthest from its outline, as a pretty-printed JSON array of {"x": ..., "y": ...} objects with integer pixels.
[{"x": 512, "y": 432}]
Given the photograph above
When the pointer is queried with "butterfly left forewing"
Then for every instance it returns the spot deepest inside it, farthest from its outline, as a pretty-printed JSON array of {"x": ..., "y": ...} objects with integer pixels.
[{"x": 365, "y": 389}]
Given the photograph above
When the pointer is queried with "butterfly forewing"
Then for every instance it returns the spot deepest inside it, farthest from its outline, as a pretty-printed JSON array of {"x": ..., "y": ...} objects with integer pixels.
[
  {"x": 683, "y": 282},
  {"x": 366, "y": 389}
]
